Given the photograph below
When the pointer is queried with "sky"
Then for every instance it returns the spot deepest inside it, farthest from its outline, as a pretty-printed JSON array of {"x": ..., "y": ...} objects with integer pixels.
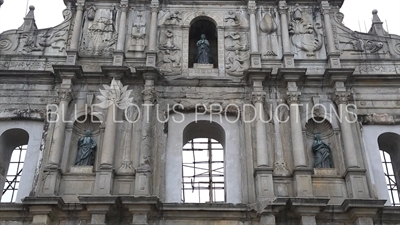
[{"x": 48, "y": 13}]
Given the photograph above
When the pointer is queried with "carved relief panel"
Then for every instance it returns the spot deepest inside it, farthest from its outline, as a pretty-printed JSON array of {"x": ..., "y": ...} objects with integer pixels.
[
  {"x": 137, "y": 35},
  {"x": 269, "y": 41},
  {"x": 100, "y": 34},
  {"x": 306, "y": 33},
  {"x": 52, "y": 41},
  {"x": 170, "y": 54}
]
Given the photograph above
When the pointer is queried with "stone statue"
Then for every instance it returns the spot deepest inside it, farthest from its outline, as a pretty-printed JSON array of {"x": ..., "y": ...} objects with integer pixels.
[
  {"x": 91, "y": 12},
  {"x": 322, "y": 153},
  {"x": 86, "y": 150},
  {"x": 203, "y": 55}
]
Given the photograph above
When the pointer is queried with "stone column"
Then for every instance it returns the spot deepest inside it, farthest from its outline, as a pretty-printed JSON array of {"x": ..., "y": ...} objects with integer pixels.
[
  {"x": 333, "y": 55},
  {"x": 341, "y": 100},
  {"x": 263, "y": 171},
  {"x": 151, "y": 55},
  {"x": 65, "y": 95},
  {"x": 105, "y": 175},
  {"x": 255, "y": 56},
  {"x": 144, "y": 171},
  {"x": 258, "y": 99},
  {"x": 77, "y": 25},
  {"x": 280, "y": 167},
  {"x": 72, "y": 52},
  {"x": 119, "y": 53},
  {"x": 287, "y": 52},
  {"x": 299, "y": 154}
]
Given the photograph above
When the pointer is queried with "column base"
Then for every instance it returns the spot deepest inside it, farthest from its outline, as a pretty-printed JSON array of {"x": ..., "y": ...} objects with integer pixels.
[
  {"x": 72, "y": 57},
  {"x": 334, "y": 60},
  {"x": 151, "y": 59},
  {"x": 51, "y": 182},
  {"x": 264, "y": 183},
  {"x": 119, "y": 57},
  {"x": 255, "y": 59},
  {"x": 143, "y": 180},
  {"x": 288, "y": 59},
  {"x": 104, "y": 182},
  {"x": 303, "y": 183},
  {"x": 356, "y": 182}
]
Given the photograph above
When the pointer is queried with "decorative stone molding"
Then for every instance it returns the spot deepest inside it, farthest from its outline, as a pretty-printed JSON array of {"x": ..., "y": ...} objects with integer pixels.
[
  {"x": 149, "y": 95},
  {"x": 154, "y": 7}
]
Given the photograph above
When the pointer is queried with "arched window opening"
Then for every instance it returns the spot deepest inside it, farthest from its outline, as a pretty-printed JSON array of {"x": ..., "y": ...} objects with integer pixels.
[
  {"x": 203, "y": 26},
  {"x": 14, "y": 172},
  {"x": 203, "y": 172},
  {"x": 390, "y": 178}
]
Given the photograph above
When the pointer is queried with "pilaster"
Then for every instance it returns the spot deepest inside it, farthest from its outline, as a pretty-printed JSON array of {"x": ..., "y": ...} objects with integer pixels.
[
  {"x": 98, "y": 207},
  {"x": 44, "y": 209},
  {"x": 307, "y": 208}
]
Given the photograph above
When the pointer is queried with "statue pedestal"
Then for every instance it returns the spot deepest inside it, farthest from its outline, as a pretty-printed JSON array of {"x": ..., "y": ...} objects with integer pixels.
[
  {"x": 82, "y": 169},
  {"x": 202, "y": 66},
  {"x": 325, "y": 172}
]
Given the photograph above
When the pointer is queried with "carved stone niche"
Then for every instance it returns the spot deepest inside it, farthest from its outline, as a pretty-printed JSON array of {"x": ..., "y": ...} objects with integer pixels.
[
  {"x": 322, "y": 127},
  {"x": 80, "y": 126}
]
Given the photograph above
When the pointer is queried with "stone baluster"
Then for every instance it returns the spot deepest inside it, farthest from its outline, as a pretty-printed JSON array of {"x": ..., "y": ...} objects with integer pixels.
[
  {"x": 143, "y": 172},
  {"x": 287, "y": 52},
  {"x": 341, "y": 100},
  {"x": 258, "y": 99},
  {"x": 151, "y": 55},
  {"x": 77, "y": 25}
]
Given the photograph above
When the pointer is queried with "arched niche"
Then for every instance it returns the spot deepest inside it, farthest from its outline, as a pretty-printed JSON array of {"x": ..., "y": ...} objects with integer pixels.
[
  {"x": 390, "y": 143},
  {"x": 217, "y": 20},
  {"x": 79, "y": 127},
  {"x": 199, "y": 26}
]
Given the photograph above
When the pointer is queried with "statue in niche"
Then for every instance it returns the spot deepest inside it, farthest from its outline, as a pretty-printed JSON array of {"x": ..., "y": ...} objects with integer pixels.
[
  {"x": 232, "y": 19},
  {"x": 203, "y": 55},
  {"x": 138, "y": 35},
  {"x": 86, "y": 150},
  {"x": 322, "y": 153},
  {"x": 170, "y": 62},
  {"x": 236, "y": 64},
  {"x": 173, "y": 18},
  {"x": 91, "y": 12},
  {"x": 304, "y": 35}
]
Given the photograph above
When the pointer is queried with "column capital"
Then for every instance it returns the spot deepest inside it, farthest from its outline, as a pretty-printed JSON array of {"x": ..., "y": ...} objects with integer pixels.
[
  {"x": 154, "y": 7},
  {"x": 342, "y": 97},
  {"x": 149, "y": 96},
  {"x": 64, "y": 94},
  {"x": 293, "y": 97},
  {"x": 325, "y": 7},
  {"x": 80, "y": 6},
  {"x": 124, "y": 7},
  {"x": 258, "y": 97},
  {"x": 252, "y": 7}
]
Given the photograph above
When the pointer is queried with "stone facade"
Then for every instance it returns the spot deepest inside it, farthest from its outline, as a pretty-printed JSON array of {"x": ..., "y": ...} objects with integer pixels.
[{"x": 125, "y": 70}]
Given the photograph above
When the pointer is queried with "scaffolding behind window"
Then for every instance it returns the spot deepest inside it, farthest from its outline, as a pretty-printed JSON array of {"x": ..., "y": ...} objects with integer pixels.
[
  {"x": 13, "y": 176},
  {"x": 203, "y": 171},
  {"x": 390, "y": 178}
]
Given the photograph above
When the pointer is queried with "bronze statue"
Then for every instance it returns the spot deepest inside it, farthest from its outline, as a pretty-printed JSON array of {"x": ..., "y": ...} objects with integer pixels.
[
  {"x": 203, "y": 55},
  {"x": 86, "y": 150},
  {"x": 322, "y": 153}
]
